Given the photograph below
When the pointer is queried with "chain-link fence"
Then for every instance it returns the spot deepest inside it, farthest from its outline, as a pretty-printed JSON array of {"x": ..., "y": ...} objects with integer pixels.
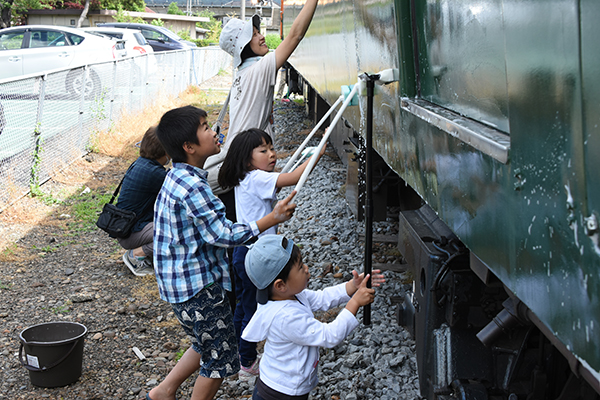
[{"x": 46, "y": 121}]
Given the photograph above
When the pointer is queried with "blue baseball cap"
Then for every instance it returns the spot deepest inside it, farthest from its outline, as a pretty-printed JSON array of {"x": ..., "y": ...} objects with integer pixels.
[{"x": 265, "y": 259}]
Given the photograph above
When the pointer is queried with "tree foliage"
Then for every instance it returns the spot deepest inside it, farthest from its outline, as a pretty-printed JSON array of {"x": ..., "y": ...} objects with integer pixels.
[
  {"x": 157, "y": 22},
  {"x": 125, "y": 17},
  {"x": 127, "y": 5},
  {"x": 174, "y": 9},
  {"x": 213, "y": 25},
  {"x": 12, "y": 12}
]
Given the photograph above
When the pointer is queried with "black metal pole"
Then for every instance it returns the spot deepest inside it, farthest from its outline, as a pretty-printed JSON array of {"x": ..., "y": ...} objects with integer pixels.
[{"x": 369, "y": 190}]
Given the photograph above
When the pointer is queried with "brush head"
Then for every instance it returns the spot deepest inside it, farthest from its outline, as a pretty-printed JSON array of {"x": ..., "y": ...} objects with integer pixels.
[
  {"x": 388, "y": 76},
  {"x": 346, "y": 90}
]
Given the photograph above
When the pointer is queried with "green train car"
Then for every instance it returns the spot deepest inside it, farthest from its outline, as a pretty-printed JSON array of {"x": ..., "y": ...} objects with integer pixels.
[{"x": 486, "y": 145}]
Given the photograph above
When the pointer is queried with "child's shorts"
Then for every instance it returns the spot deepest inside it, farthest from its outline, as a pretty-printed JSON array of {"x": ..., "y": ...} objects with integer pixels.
[{"x": 207, "y": 319}]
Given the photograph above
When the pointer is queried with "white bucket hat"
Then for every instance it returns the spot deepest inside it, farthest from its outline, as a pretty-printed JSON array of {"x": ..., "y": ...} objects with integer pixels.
[{"x": 236, "y": 34}]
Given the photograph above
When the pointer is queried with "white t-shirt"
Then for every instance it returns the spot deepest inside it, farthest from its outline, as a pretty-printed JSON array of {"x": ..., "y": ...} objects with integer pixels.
[
  {"x": 251, "y": 102},
  {"x": 250, "y": 106},
  {"x": 254, "y": 197},
  {"x": 291, "y": 355}
]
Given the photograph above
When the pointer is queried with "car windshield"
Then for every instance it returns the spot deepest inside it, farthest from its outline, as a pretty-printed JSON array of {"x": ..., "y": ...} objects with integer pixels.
[
  {"x": 140, "y": 39},
  {"x": 169, "y": 33}
]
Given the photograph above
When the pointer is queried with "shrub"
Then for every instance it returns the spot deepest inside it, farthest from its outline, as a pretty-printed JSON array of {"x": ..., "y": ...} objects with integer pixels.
[
  {"x": 122, "y": 17},
  {"x": 185, "y": 35},
  {"x": 212, "y": 25},
  {"x": 272, "y": 40}
]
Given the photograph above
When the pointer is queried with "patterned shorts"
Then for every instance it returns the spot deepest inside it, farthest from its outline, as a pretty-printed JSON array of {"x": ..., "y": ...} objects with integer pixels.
[{"x": 206, "y": 318}]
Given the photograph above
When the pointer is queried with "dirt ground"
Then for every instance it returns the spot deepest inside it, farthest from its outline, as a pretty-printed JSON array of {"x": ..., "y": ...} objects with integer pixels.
[{"x": 53, "y": 267}]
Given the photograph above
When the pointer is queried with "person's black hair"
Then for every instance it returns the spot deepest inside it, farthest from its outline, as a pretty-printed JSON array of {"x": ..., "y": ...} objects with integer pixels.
[
  {"x": 177, "y": 127},
  {"x": 285, "y": 272},
  {"x": 239, "y": 156},
  {"x": 247, "y": 53},
  {"x": 150, "y": 147}
]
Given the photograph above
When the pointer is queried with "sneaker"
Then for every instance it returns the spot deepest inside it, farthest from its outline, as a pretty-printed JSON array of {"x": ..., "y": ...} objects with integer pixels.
[
  {"x": 138, "y": 266},
  {"x": 247, "y": 373}
]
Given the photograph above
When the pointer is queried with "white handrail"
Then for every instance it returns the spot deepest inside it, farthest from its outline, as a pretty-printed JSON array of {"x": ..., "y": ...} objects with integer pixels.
[
  {"x": 288, "y": 166},
  {"x": 323, "y": 142}
]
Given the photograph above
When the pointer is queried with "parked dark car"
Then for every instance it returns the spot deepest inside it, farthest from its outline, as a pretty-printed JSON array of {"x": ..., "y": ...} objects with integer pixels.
[{"x": 160, "y": 38}]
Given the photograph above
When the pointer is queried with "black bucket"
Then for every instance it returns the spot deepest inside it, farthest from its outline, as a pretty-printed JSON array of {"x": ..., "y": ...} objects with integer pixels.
[{"x": 53, "y": 352}]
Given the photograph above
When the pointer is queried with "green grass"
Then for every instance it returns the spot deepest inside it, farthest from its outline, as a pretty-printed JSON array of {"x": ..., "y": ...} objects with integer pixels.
[
  {"x": 45, "y": 198},
  {"x": 179, "y": 354},
  {"x": 5, "y": 286},
  {"x": 46, "y": 249},
  {"x": 10, "y": 251},
  {"x": 84, "y": 209},
  {"x": 62, "y": 309}
]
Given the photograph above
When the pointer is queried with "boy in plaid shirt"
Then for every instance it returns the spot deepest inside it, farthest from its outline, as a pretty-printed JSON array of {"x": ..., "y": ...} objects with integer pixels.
[{"x": 191, "y": 237}]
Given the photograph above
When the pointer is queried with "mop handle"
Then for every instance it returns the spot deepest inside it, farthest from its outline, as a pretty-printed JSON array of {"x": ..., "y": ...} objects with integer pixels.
[
  {"x": 323, "y": 142},
  {"x": 290, "y": 162}
]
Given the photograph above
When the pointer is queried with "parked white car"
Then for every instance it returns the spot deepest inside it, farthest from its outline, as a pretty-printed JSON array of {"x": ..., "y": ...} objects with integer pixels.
[
  {"x": 31, "y": 49},
  {"x": 135, "y": 43}
]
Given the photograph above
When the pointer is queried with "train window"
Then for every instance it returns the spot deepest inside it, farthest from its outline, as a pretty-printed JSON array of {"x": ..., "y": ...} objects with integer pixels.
[{"x": 455, "y": 47}]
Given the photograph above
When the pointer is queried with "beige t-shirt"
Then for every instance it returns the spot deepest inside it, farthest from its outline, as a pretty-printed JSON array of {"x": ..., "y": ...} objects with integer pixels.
[{"x": 250, "y": 106}]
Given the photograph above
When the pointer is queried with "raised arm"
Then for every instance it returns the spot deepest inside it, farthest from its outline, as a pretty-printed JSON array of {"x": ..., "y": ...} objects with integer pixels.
[{"x": 296, "y": 33}]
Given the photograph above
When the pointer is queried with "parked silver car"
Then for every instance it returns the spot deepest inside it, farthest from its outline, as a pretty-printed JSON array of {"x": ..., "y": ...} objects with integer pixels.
[{"x": 32, "y": 49}]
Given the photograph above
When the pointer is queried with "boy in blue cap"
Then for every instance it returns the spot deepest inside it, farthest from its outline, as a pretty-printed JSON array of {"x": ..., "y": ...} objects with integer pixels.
[{"x": 288, "y": 368}]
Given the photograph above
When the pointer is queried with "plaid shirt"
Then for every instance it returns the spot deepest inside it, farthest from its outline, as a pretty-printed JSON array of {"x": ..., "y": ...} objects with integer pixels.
[{"x": 191, "y": 235}]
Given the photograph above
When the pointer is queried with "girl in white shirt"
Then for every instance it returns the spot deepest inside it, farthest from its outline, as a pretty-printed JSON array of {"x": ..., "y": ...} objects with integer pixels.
[{"x": 249, "y": 168}]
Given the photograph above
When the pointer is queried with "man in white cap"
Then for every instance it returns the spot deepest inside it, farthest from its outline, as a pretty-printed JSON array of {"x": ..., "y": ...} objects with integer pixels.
[{"x": 251, "y": 101}]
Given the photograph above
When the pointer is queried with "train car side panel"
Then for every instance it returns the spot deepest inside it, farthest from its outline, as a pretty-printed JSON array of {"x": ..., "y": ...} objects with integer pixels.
[{"x": 494, "y": 123}]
